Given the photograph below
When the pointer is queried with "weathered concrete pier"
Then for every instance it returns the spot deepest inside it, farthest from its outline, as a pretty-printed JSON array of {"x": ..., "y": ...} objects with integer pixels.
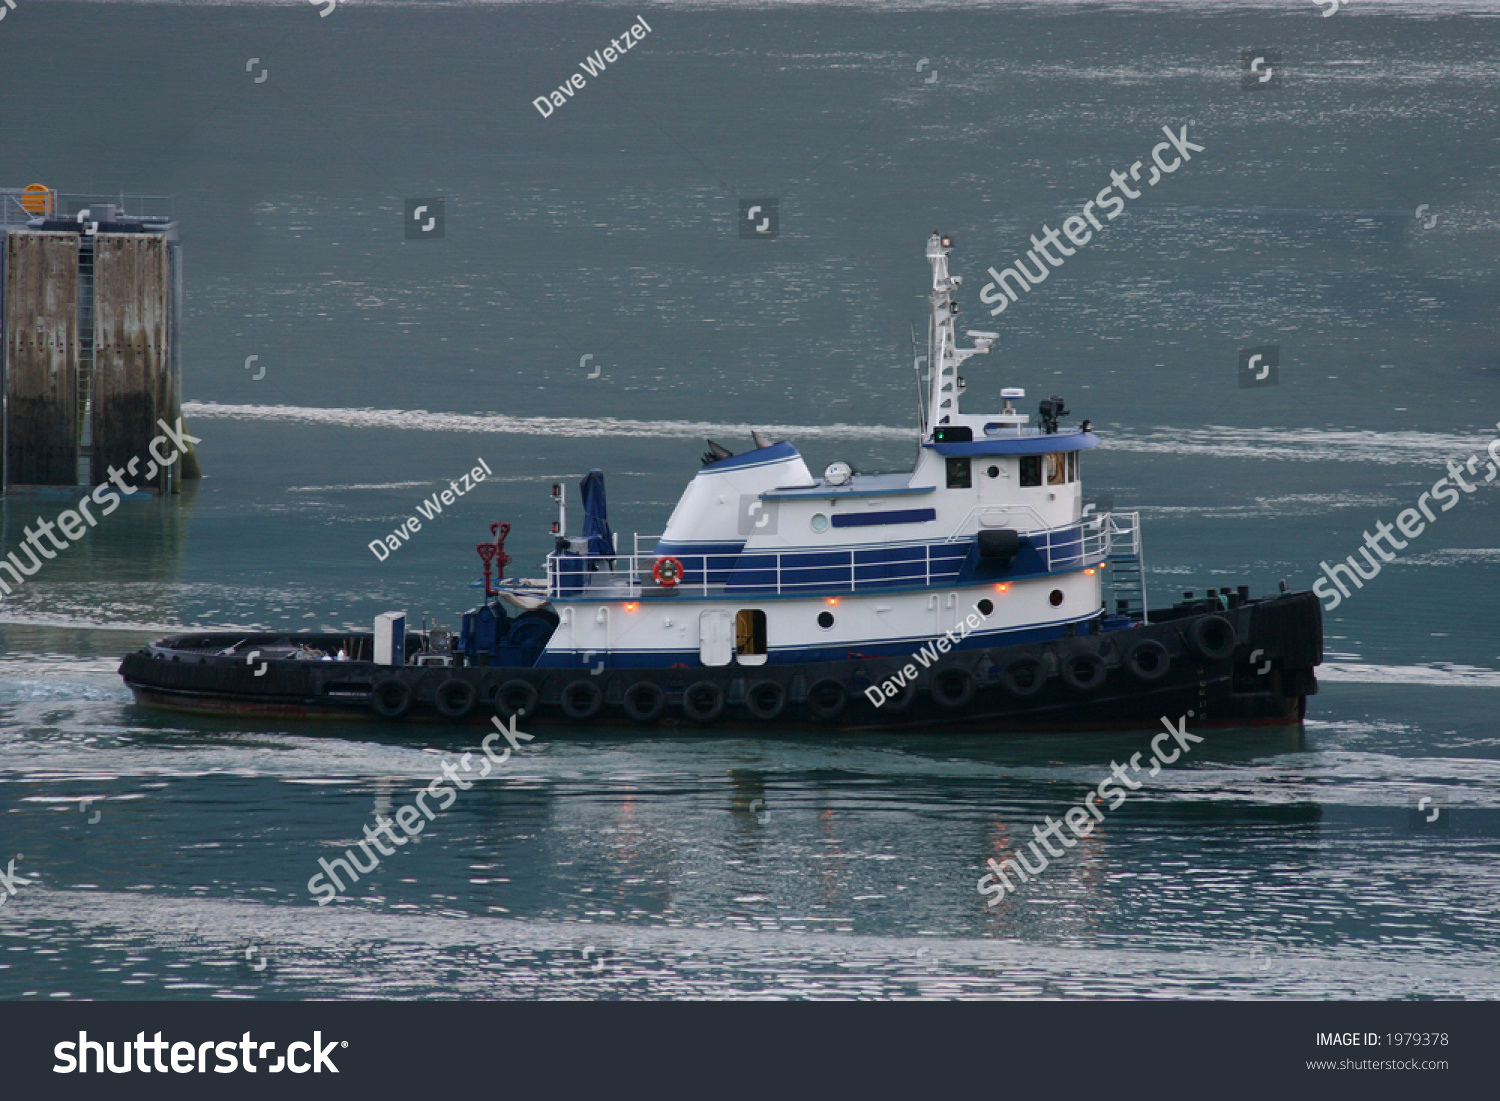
[{"x": 92, "y": 306}]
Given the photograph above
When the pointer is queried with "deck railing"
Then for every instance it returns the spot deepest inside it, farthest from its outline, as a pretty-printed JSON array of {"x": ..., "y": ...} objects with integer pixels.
[
  {"x": 828, "y": 572},
  {"x": 18, "y": 205}
]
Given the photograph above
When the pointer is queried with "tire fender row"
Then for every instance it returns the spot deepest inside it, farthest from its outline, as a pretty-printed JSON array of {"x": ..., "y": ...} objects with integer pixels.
[{"x": 1083, "y": 663}]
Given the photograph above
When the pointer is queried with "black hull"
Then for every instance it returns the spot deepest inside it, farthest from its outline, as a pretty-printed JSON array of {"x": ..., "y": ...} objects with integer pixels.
[{"x": 1081, "y": 683}]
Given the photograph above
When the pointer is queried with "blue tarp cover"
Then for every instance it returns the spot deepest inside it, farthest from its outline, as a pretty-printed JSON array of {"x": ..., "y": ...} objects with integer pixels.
[{"x": 596, "y": 517}]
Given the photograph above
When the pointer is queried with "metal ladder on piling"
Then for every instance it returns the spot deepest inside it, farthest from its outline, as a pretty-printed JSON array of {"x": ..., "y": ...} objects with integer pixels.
[
  {"x": 85, "y": 359},
  {"x": 1127, "y": 566}
]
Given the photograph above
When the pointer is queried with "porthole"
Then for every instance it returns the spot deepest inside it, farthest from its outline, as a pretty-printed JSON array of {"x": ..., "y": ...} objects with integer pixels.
[
  {"x": 819, "y": 522},
  {"x": 985, "y": 607},
  {"x": 993, "y": 472},
  {"x": 825, "y": 620},
  {"x": 1056, "y": 597}
]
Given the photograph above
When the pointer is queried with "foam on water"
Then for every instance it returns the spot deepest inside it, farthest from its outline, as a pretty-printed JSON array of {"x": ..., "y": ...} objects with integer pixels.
[
  {"x": 420, "y": 420},
  {"x": 1444, "y": 676},
  {"x": 156, "y": 945},
  {"x": 1298, "y": 444}
]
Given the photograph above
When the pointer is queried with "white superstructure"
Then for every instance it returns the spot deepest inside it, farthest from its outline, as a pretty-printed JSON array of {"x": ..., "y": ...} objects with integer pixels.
[{"x": 762, "y": 562}]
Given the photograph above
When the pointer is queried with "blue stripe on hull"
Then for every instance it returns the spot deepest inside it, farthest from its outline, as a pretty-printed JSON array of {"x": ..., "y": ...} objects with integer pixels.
[{"x": 665, "y": 659}]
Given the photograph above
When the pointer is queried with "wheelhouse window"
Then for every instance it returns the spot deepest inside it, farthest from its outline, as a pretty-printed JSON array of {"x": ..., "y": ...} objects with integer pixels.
[
  {"x": 1072, "y": 466},
  {"x": 1057, "y": 468},
  {"x": 1031, "y": 470},
  {"x": 959, "y": 474}
]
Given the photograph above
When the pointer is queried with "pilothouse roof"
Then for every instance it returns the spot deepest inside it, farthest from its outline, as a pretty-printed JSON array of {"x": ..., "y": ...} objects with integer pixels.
[{"x": 860, "y": 485}]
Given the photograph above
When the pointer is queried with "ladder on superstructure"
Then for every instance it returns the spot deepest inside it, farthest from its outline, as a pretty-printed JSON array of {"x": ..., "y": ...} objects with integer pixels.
[{"x": 1127, "y": 566}]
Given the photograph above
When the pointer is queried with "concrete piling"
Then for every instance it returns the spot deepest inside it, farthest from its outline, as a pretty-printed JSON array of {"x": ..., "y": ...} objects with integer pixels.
[
  {"x": 41, "y": 358},
  {"x": 132, "y": 383},
  {"x": 90, "y": 318}
]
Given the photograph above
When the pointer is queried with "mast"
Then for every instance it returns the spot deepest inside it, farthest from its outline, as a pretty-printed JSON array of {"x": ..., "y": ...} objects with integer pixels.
[{"x": 943, "y": 353}]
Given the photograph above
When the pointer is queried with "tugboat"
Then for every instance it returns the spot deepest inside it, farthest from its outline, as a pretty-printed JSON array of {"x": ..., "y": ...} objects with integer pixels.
[{"x": 967, "y": 594}]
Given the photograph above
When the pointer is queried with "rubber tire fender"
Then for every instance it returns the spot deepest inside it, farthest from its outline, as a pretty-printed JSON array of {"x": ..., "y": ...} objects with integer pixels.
[
  {"x": 902, "y": 699},
  {"x": 763, "y": 711},
  {"x": 1201, "y": 637},
  {"x": 588, "y": 707},
  {"x": 1010, "y": 678},
  {"x": 834, "y": 708},
  {"x": 956, "y": 699},
  {"x": 466, "y": 700},
  {"x": 703, "y": 714},
  {"x": 1160, "y": 656},
  {"x": 506, "y": 705},
  {"x": 644, "y": 713},
  {"x": 390, "y": 708},
  {"x": 1085, "y": 681}
]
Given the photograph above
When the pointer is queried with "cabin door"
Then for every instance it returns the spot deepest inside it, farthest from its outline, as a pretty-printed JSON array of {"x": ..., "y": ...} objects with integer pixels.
[
  {"x": 715, "y": 638},
  {"x": 996, "y": 489}
]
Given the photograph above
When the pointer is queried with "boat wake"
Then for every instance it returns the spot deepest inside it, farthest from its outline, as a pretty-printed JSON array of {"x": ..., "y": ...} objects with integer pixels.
[
  {"x": 1302, "y": 444},
  {"x": 1441, "y": 675},
  {"x": 421, "y": 420}
]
